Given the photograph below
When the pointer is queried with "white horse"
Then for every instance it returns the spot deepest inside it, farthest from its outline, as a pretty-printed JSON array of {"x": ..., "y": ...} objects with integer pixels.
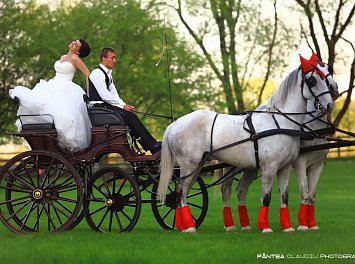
[
  {"x": 187, "y": 140},
  {"x": 308, "y": 167}
]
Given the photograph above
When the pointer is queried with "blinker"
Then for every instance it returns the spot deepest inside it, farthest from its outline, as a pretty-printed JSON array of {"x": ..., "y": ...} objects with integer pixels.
[{"x": 311, "y": 81}]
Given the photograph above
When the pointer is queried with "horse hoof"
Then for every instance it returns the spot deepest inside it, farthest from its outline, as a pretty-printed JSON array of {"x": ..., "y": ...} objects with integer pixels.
[
  {"x": 302, "y": 228},
  {"x": 267, "y": 230},
  {"x": 316, "y": 228},
  {"x": 246, "y": 228},
  {"x": 191, "y": 230},
  {"x": 288, "y": 230},
  {"x": 230, "y": 228}
]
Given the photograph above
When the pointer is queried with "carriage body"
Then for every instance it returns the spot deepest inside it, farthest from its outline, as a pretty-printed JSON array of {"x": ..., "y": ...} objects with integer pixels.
[{"x": 50, "y": 188}]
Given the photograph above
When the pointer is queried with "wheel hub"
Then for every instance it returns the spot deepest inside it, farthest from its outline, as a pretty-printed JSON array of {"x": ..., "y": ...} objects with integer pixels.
[
  {"x": 116, "y": 202},
  {"x": 109, "y": 202},
  {"x": 37, "y": 194}
]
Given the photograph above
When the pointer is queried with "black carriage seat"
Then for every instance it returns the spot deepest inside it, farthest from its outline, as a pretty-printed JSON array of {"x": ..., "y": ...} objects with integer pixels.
[
  {"x": 37, "y": 122},
  {"x": 100, "y": 116}
]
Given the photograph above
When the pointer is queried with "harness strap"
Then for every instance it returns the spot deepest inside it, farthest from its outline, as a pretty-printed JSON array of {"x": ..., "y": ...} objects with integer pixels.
[
  {"x": 212, "y": 128},
  {"x": 276, "y": 123},
  {"x": 272, "y": 132},
  {"x": 252, "y": 132}
]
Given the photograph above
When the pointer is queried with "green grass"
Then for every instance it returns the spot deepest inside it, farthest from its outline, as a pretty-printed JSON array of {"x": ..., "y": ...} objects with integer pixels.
[{"x": 148, "y": 243}]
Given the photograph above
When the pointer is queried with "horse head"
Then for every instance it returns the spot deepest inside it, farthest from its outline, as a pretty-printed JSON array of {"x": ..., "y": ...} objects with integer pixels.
[{"x": 318, "y": 77}]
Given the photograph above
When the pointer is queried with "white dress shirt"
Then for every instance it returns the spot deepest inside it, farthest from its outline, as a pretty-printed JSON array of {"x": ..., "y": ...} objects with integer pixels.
[{"x": 109, "y": 95}]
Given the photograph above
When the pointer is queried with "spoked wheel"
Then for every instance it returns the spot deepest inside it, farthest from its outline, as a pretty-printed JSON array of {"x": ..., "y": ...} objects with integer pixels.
[
  {"x": 76, "y": 221},
  {"x": 113, "y": 202},
  {"x": 84, "y": 171},
  {"x": 197, "y": 201},
  {"x": 42, "y": 191}
]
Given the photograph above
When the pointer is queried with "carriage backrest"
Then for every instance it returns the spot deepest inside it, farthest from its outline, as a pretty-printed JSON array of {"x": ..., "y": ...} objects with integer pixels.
[{"x": 100, "y": 116}]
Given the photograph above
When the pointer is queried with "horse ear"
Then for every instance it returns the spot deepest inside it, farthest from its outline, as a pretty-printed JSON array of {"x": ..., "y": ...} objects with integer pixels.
[
  {"x": 306, "y": 64},
  {"x": 314, "y": 59}
]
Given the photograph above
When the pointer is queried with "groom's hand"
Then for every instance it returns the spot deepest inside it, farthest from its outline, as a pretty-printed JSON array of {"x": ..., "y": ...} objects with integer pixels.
[{"x": 129, "y": 108}]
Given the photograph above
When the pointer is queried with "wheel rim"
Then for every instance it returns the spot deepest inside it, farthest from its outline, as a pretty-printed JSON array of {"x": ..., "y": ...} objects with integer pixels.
[
  {"x": 113, "y": 202},
  {"x": 42, "y": 192},
  {"x": 197, "y": 200}
]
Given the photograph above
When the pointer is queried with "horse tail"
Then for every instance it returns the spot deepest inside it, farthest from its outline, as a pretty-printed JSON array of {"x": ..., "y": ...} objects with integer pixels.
[{"x": 166, "y": 167}]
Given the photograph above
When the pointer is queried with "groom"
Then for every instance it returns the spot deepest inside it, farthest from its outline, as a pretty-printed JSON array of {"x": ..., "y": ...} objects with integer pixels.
[{"x": 103, "y": 91}]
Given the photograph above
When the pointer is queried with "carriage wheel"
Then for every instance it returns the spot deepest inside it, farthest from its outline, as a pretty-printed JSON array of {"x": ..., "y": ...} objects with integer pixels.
[
  {"x": 42, "y": 192},
  {"x": 197, "y": 201},
  {"x": 84, "y": 172},
  {"x": 113, "y": 202},
  {"x": 76, "y": 221}
]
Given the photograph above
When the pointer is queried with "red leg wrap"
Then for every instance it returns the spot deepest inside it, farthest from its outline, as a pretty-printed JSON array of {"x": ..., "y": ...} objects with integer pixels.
[
  {"x": 187, "y": 217},
  {"x": 285, "y": 218},
  {"x": 303, "y": 215},
  {"x": 179, "y": 223},
  {"x": 263, "y": 222},
  {"x": 227, "y": 217},
  {"x": 311, "y": 220},
  {"x": 243, "y": 215}
]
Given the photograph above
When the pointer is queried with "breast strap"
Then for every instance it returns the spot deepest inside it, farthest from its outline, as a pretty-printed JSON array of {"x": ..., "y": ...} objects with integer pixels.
[{"x": 252, "y": 132}]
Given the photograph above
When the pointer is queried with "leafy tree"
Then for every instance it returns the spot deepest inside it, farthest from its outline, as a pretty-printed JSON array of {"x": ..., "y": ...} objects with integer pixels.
[
  {"x": 18, "y": 21},
  {"x": 329, "y": 22},
  {"x": 126, "y": 26},
  {"x": 250, "y": 44}
]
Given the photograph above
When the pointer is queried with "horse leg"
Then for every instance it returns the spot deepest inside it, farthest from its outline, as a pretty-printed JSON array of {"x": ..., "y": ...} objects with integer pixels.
[
  {"x": 183, "y": 214},
  {"x": 247, "y": 178},
  {"x": 283, "y": 176},
  {"x": 301, "y": 173},
  {"x": 226, "y": 189},
  {"x": 314, "y": 174},
  {"x": 266, "y": 188}
]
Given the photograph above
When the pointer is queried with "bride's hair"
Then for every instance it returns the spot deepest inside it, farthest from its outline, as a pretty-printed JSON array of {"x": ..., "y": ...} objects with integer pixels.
[{"x": 84, "y": 49}]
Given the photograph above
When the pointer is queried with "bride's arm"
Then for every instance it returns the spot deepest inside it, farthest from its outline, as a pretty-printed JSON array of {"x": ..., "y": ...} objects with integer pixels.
[{"x": 82, "y": 67}]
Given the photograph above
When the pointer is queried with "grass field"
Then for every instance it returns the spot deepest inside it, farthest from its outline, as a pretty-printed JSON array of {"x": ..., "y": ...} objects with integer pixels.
[{"x": 148, "y": 243}]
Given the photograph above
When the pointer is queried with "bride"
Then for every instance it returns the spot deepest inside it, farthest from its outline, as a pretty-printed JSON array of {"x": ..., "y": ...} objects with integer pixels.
[{"x": 61, "y": 98}]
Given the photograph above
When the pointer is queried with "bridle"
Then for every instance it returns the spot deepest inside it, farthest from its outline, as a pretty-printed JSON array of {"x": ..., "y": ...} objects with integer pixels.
[{"x": 311, "y": 82}]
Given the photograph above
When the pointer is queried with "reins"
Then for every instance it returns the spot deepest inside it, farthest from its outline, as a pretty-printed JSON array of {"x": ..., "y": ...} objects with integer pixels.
[{"x": 171, "y": 118}]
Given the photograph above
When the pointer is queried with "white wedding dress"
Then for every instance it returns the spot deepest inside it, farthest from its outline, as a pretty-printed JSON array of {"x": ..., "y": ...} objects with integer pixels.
[{"x": 63, "y": 100}]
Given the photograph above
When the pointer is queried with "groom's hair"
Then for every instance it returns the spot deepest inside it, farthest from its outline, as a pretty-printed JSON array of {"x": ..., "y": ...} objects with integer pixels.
[{"x": 104, "y": 52}]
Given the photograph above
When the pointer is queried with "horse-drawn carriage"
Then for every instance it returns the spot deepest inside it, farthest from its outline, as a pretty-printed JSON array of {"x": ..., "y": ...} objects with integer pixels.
[
  {"x": 49, "y": 188},
  {"x": 53, "y": 189}
]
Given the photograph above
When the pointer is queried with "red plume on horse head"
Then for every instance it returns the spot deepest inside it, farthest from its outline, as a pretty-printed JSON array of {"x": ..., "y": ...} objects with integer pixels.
[{"x": 309, "y": 65}]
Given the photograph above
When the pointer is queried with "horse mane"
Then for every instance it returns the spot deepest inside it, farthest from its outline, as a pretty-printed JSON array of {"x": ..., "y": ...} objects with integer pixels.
[{"x": 278, "y": 98}]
